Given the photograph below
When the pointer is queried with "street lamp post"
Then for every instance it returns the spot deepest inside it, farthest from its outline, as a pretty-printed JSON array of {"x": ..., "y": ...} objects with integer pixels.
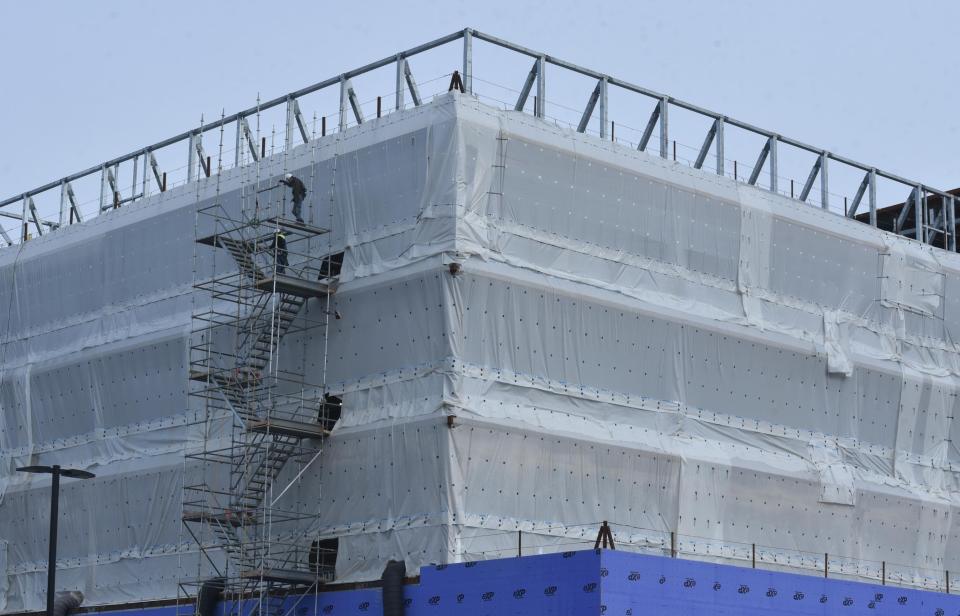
[{"x": 56, "y": 472}]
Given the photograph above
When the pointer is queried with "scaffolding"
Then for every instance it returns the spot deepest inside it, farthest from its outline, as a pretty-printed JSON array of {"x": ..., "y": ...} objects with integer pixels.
[{"x": 266, "y": 415}]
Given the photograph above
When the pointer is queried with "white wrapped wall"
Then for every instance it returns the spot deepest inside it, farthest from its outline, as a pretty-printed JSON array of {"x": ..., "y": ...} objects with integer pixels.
[{"x": 627, "y": 339}]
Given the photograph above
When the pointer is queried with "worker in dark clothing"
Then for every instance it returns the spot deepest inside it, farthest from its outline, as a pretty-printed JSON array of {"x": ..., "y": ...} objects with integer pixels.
[
  {"x": 299, "y": 193},
  {"x": 280, "y": 246}
]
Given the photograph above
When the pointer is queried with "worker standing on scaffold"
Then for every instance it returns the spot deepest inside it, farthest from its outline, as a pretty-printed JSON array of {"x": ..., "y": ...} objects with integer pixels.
[
  {"x": 280, "y": 250},
  {"x": 299, "y": 193}
]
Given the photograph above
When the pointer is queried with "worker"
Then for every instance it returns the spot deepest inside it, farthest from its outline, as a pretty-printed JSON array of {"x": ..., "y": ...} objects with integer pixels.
[
  {"x": 299, "y": 193},
  {"x": 280, "y": 246}
]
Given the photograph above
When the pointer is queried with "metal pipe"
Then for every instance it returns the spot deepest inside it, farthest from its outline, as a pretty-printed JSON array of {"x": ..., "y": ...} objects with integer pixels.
[{"x": 52, "y": 556}]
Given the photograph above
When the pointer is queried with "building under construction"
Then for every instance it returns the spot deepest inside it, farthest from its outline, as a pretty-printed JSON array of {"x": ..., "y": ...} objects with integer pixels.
[{"x": 491, "y": 331}]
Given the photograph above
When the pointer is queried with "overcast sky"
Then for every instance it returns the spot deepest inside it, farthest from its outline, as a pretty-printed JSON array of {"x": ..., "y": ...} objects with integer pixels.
[{"x": 876, "y": 81}]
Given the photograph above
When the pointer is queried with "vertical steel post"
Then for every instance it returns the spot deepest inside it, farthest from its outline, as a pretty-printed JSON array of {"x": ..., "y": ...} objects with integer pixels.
[
  {"x": 52, "y": 557},
  {"x": 718, "y": 137},
  {"x": 773, "y": 163},
  {"x": 664, "y": 134},
  {"x": 919, "y": 205},
  {"x": 103, "y": 183},
  {"x": 603, "y": 107},
  {"x": 63, "y": 201},
  {"x": 824, "y": 182},
  {"x": 146, "y": 165},
  {"x": 236, "y": 152},
  {"x": 883, "y": 573},
  {"x": 468, "y": 61},
  {"x": 519, "y": 543},
  {"x": 541, "y": 100},
  {"x": 25, "y": 228},
  {"x": 753, "y": 555},
  {"x": 191, "y": 156},
  {"x": 673, "y": 544},
  {"x": 291, "y": 121},
  {"x": 398, "y": 104},
  {"x": 826, "y": 564},
  {"x": 873, "y": 197},
  {"x": 343, "y": 103},
  {"x": 951, "y": 223},
  {"x": 133, "y": 181}
]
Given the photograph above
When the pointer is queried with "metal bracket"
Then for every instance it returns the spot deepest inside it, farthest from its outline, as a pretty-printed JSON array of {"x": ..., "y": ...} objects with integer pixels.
[
  {"x": 33, "y": 215},
  {"x": 107, "y": 179},
  {"x": 204, "y": 164},
  {"x": 915, "y": 202},
  {"x": 808, "y": 185},
  {"x": 715, "y": 132},
  {"x": 348, "y": 96},
  {"x": 591, "y": 104},
  {"x": 294, "y": 117},
  {"x": 411, "y": 84},
  {"x": 468, "y": 61},
  {"x": 527, "y": 86},
  {"x": 156, "y": 170},
  {"x": 648, "y": 131},
  {"x": 769, "y": 151},
  {"x": 68, "y": 204},
  {"x": 248, "y": 135}
]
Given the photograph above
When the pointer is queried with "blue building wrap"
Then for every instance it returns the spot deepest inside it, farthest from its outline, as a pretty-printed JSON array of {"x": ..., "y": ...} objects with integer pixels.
[{"x": 612, "y": 583}]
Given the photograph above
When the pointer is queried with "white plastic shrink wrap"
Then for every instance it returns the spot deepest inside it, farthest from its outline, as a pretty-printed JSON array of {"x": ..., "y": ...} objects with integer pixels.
[{"x": 627, "y": 339}]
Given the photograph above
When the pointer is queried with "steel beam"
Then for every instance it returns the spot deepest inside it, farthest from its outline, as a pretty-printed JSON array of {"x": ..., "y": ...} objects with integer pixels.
[
  {"x": 808, "y": 185},
  {"x": 648, "y": 131},
  {"x": 527, "y": 86},
  {"x": 774, "y": 165},
  {"x": 664, "y": 127},
  {"x": 855, "y": 204},
  {"x": 468, "y": 61},
  {"x": 872, "y": 175},
  {"x": 348, "y": 98},
  {"x": 718, "y": 130},
  {"x": 354, "y": 103},
  {"x": 824, "y": 181},
  {"x": 34, "y": 216},
  {"x": 156, "y": 169},
  {"x": 64, "y": 207},
  {"x": 248, "y": 137},
  {"x": 398, "y": 93},
  {"x": 705, "y": 148},
  {"x": 588, "y": 110},
  {"x": 198, "y": 147},
  {"x": 5, "y": 236},
  {"x": 920, "y": 209},
  {"x": 288, "y": 126},
  {"x": 301, "y": 122},
  {"x": 541, "y": 106},
  {"x": 950, "y": 223},
  {"x": 604, "y": 108},
  {"x": 411, "y": 84},
  {"x": 72, "y": 199},
  {"x": 758, "y": 166},
  {"x": 191, "y": 156},
  {"x": 908, "y": 204}
]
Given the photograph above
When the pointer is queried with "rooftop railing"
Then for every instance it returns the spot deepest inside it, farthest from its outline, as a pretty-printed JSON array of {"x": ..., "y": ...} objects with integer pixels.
[{"x": 926, "y": 214}]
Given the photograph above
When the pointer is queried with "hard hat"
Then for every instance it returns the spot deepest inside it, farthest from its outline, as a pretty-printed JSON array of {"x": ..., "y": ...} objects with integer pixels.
[{"x": 288, "y": 176}]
